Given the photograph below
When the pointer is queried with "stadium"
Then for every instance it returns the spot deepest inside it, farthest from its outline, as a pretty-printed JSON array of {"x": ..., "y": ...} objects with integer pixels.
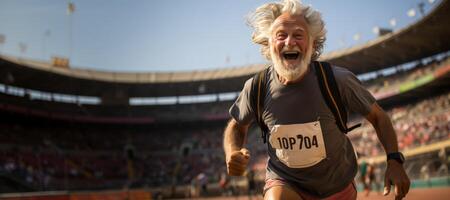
[{"x": 83, "y": 134}]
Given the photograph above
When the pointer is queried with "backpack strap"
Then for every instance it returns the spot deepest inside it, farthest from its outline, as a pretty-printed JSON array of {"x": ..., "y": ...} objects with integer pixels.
[
  {"x": 330, "y": 93},
  {"x": 257, "y": 96}
]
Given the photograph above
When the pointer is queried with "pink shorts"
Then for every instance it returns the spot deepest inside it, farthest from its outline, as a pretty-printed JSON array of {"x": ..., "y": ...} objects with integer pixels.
[{"x": 348, "y": 192}]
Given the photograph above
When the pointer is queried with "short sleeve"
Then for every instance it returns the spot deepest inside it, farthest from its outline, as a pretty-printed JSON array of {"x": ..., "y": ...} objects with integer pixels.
[
  {"x": 357, "y": 98},
  {"x": 241, "y": 109}
]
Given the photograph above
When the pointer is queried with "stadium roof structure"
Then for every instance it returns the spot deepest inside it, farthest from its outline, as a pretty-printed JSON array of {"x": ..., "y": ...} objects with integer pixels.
[{"x": 428, "y": 36}]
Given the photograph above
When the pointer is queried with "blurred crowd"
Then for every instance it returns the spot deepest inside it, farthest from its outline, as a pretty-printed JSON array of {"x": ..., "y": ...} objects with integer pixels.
[
  {"x": 416, "y": 124},
  {"x": 99, "y": 157}
]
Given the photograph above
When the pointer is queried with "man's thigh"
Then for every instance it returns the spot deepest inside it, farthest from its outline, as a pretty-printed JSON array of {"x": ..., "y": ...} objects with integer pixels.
[
  {"x": 349, "y": 193},
  {"x": 278, "y": 189},
  {"x": 280, "y": 192}
]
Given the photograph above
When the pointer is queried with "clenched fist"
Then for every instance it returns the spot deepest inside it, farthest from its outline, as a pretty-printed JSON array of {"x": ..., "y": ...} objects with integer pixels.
[{"x": 237, "y": 162}]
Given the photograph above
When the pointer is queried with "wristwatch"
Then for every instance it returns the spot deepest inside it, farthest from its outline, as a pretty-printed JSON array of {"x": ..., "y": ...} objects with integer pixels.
[{"x": 398, "y": 156}]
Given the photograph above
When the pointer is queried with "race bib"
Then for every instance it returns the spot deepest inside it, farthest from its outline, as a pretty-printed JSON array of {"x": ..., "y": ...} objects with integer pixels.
[{"x": 298, "y": 145}]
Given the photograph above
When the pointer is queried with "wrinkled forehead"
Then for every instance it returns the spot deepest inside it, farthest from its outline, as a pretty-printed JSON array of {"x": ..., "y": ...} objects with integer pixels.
[{"x": 290, "y": 21}]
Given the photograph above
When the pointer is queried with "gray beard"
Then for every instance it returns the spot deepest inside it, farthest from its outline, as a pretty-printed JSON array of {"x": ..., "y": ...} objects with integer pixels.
[{"x": 292, "y": 73}]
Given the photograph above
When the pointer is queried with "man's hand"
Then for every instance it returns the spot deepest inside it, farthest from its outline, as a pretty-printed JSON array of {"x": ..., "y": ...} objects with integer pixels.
[
  {"x": 237, "y": 162},
  {"x": 396, "y": 175}
]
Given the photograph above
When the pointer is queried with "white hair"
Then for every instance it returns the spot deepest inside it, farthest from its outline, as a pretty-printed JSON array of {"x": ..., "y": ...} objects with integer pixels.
[{"x": 262, "y": 18}]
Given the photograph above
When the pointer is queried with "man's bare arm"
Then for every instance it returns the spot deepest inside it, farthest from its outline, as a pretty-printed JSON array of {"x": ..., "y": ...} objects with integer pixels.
[
  {"x": 383, "y": 127},
  {"x": 233, "y": 144},
  {"x": 395, "y": 173},
  {"x": 234, "y": 136}
]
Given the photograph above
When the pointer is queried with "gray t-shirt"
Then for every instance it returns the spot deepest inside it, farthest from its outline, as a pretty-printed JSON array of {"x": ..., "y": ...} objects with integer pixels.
[{"x": 302, "y": 102}]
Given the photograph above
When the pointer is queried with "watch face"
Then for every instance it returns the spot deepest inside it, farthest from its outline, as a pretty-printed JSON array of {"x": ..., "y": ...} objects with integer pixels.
[{"x": 402, "y": 157}]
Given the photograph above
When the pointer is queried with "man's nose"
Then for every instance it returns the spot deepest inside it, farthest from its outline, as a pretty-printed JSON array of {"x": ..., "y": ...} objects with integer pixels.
[{"x": 290, "y": 41}]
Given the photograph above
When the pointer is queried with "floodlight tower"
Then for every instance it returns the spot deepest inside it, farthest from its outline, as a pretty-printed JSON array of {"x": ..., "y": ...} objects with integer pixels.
[
  {"x": 2, "y": 41},
  {"x": 45, "y": 35},
  {"x": 70, "y": 11}
]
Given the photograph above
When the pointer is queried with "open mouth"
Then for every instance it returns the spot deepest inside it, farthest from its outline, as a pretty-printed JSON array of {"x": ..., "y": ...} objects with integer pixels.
[{"x": 291, "y": 55}]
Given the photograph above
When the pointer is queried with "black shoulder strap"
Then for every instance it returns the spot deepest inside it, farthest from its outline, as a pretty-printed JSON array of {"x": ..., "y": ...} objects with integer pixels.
[
  {"x": 257, "y": 95},
  {"x": 330, "y": 93}
]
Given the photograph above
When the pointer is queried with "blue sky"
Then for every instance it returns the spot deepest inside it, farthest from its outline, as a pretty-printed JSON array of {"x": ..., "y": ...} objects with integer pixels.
[{"x": 172, "y": 35}]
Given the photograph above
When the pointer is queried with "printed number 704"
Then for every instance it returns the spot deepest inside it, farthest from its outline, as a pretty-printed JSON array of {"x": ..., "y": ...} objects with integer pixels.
[{"x": 302, "y": 141}]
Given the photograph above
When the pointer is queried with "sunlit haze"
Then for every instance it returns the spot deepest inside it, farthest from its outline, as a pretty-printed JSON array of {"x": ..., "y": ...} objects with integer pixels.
[{"x": 141, "y": 35}]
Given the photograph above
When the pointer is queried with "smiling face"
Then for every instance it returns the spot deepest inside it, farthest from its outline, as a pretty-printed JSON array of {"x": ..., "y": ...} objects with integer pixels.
[{"x": 290, "y": 48}]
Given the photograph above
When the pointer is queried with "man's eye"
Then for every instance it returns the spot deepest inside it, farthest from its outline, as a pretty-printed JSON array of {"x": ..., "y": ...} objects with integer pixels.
[
  {"x": 281, "y": 36},
  {"x": 298, "y": 36}
]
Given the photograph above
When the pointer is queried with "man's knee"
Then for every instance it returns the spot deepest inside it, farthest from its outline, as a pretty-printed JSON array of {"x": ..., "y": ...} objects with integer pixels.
[{"x": 280, "y": 192}]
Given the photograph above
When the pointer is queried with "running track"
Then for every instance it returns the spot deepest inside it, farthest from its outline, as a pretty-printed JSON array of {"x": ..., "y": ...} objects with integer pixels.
[{"x": 414, "y": 194}]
